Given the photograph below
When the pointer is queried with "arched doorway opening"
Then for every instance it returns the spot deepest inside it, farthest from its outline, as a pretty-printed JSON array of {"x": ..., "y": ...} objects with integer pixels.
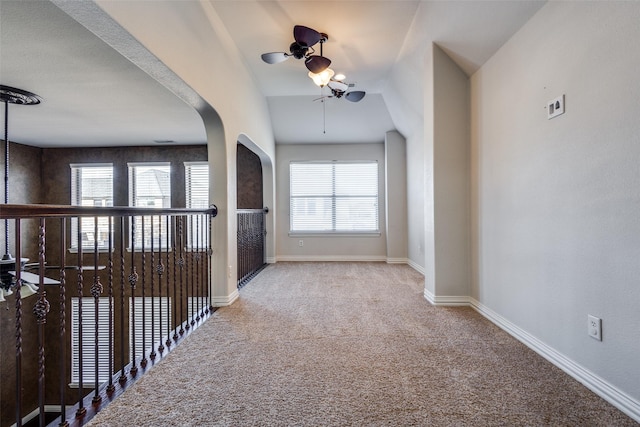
[{"x": 251, "y": 215}]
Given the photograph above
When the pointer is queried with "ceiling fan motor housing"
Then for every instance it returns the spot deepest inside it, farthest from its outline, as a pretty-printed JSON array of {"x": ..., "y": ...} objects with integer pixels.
[{"x": 298, "y": 51}]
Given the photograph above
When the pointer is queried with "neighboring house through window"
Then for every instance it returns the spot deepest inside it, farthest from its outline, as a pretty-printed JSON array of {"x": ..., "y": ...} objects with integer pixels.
[{"x": 150, "y": 187}]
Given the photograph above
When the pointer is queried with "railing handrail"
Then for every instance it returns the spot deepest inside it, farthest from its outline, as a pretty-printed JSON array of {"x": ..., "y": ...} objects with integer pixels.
[
  {"x": 260, "y": 210},
  {"x": 14, "y": 211}
]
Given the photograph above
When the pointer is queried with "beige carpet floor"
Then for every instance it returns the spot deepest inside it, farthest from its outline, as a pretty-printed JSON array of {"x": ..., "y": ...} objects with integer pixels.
[{"x": 352, "y": 344}]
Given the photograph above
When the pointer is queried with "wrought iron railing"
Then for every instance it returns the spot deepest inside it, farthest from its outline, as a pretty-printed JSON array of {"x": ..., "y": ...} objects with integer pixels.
[
  {"x": 251, "y": 243},
  {"x": 141, "y": 287}
]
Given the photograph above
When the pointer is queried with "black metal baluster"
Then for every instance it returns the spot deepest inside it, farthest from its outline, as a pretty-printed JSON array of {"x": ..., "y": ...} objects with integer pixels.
[
  {"x": 133, "y": 278},
  {"x": 194, "y": 269},
  {"x": 123, "y": 376},
  {"x": 174, "y": 226},
  {"x": 153, "y": 353},
  {"x": 110, "y": 387},
  {"x": 40, "y": 310},
  {"x": 241, "y": 246},
  {"x": 203, "y": 278},
  {"x": 192, "y": 299},
  {"x": 81, "y": 411},
  {"x": 160, "y": 271},
  {"x": 63, "y": 325},
  {"x": 196, "y": 251},
  {"x": 18, "y": 287},
  {"x": 209, "y": 261},
  {"x": 169, "y": 317},
  {"x": 181, "y": 265},
  {"x": 143, "y": 362},
  {"x": 96, "y": 291}
]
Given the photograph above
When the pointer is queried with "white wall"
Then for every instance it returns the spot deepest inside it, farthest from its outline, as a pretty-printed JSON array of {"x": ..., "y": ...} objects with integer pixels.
[
  {"x": 404, "y": 98},
  {"x": 331, "y": 248},
  {"x": 556, "y": 203},
  {"x": 451, "y": 210},
  {"x": 395, "y": 153}
]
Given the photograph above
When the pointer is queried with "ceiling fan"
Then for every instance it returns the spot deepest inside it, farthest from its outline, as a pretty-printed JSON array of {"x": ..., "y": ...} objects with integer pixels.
[
  {"x": 339, "y": 89},
  {"x": 305, "y": 38}
]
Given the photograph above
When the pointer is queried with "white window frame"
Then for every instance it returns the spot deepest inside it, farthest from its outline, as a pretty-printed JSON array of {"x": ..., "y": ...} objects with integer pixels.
[
  {"x": 88, "y": 226},
  {"x": 159, "y": 228},
  {"x": 330, "y": 197}
]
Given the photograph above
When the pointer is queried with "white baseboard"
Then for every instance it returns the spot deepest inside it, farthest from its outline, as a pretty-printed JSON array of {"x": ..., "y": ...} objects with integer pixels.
[
  {"x": 446, "y": 301},
  {"x": 417, "y": 267},
  {"x": 608, "y": 392},
  {"x": 271, "y": 260},
  {"x": 397, "y": 261},
  {"x": 332, "y": 258},
  {"x": 224, "y": 301},
  {"x": 33, "y": 414}
]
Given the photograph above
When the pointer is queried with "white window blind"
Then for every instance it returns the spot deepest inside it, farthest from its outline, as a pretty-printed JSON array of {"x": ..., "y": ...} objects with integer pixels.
[
  {"x": 91, "y": 185},
  {"x": 197, "y": 197},
  {"x": 150, "y": 187},
  {"x": 88, "y": 341},
  {"x": 157, "y": 319},
  {"x": 197, "y": 184},
  {"x": 334, "y": 197}
]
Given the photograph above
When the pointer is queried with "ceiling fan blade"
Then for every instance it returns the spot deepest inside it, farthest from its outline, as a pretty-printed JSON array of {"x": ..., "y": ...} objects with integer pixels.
[
  {"x": 355, "y": 96},
  {"x": 274, "y": 57},
  {"x": 335, "y": 85},
  {"x": 317, "y": 64},
  {"x": 306, "y": 36}
]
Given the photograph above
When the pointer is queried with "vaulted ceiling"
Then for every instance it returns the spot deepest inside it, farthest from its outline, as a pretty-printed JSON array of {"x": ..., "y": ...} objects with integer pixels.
[{"x": 92, "y": 96}]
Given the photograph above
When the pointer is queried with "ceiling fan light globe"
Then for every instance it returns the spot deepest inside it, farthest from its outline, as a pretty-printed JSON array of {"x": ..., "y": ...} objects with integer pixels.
[{"x": 322, "y": 78}]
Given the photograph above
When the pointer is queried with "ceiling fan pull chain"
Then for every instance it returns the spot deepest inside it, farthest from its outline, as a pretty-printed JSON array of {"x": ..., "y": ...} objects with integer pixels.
[{"x": 324, "y": 118}]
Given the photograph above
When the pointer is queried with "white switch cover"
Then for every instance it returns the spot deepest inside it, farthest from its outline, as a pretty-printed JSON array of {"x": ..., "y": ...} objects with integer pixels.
[{"x": 555, "y": 107}]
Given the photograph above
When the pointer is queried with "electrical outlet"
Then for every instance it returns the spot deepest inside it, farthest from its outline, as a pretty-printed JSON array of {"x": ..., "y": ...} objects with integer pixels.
[
  {"x": 595, "y": 328},
  {"x": 555, "y": 107},
  {"x": 300, "y": 243}
]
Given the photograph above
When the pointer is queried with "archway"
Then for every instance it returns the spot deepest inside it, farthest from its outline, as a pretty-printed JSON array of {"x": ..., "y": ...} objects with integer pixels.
[{"x": 251, "y": 231}]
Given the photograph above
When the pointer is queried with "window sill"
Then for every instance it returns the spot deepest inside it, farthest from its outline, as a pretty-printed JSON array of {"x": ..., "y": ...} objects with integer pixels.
[
  {"x": 90, "y": 251},
  {"x": 334, "y": 234}
]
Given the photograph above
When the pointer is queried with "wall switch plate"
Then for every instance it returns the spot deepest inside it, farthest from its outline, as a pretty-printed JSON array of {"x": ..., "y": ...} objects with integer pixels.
[
  {"x": 595, "y": 328},
  {"x": 300, "y": 243},
  {"x": 555, "y": 107}
]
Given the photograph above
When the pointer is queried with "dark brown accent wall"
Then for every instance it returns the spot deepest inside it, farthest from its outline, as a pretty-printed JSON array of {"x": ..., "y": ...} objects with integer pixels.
[
  {"x": 24, "y": 188},
  {"x": 44, "y": 176},
  {"x": 249, "y": 179}
]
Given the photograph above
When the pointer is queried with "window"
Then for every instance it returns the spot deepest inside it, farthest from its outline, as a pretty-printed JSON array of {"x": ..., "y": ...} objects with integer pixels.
[
  {"x": 91, "y": 185},
  {"x": 88, "y": 341},
  {"x": 197, "y": 184},
  {"x": 150, "y": 187},
  {"x": 197, "y": 197},
  {"x": 334, "y": 197}
]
